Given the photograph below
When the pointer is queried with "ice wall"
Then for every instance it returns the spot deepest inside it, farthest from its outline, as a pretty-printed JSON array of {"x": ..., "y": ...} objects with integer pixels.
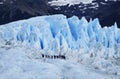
[{"x": 56, "y": 31}]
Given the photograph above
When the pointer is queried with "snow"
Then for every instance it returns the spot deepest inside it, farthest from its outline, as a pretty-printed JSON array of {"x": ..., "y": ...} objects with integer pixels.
[
  {"x": 95, "y": 5},
  {"x": 90, "y": 50},
  {"x": 70, "y": 2},
  {"x": 14, "y": 64},
  {"x": 17, "y": 64},
  {"x": 1, "y": 3}
]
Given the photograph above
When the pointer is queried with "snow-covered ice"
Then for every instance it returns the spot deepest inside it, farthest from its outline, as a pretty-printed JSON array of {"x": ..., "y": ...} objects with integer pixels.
[
  {"x": 70, "y": 2},
  {"x": 15, "y": 63},
  {"x": 91, "y": 51},
  {"x": 56, "y": 31}
]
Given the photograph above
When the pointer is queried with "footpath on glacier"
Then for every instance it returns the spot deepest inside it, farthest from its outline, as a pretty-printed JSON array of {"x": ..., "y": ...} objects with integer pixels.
[{"x": 91, "y": 52}]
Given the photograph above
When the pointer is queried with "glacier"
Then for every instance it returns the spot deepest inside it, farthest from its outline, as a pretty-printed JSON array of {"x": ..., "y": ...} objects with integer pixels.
[
  {"x": 79, "y": 40},
  {"x": 56, "y": 31}
]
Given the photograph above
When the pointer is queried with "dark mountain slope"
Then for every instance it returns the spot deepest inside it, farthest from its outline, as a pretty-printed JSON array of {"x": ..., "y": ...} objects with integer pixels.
[
  {"x": 107, "y": 11},
  {"x": 22, "y": 9}
]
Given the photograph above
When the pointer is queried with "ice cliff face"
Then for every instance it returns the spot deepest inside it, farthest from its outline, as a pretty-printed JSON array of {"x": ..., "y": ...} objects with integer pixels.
[{"x": 56, "y": 33}]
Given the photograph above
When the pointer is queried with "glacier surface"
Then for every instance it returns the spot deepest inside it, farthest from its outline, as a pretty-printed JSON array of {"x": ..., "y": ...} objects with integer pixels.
[
  {"x": 56, "y": 32},
  {"x": 15, "y": 64},
  {"x": 77, "y": 39}
]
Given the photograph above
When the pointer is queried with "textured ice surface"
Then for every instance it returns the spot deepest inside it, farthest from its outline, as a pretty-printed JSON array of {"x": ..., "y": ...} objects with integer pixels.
[
  {"x": 53, "y": 32},
  {"x": 16, "y": 63},
  {"x": 79, "y": 40}
]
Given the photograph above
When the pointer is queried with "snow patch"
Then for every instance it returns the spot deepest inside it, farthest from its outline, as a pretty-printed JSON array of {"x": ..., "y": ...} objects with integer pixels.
[{"x": 70, "y": 2}]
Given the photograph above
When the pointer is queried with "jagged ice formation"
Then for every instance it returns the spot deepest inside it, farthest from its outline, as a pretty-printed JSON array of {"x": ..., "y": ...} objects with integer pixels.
[
  {"x": 56, "y": 31},
  {"x": 77, "y": 39}
]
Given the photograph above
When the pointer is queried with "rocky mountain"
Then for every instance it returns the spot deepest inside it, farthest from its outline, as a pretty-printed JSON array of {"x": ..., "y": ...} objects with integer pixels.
[
  {"x": 108, "y": 11},
  {"x": 12, "y": 10}
]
